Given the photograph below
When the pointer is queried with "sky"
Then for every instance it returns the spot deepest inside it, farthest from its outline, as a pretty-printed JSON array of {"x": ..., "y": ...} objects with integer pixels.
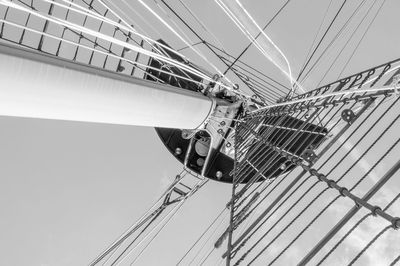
[{"x": 68, "y": 189}]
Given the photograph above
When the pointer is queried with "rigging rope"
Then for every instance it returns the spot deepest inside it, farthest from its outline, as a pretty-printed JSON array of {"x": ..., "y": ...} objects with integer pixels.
[
  {"x": 281, "y": 204},
  {"x": 201, "y": 236},
  {"x": 155, "y": 235},
  {"x": 133, "y": 241},
  {"x": 250, "y": 29},
  {"x": 105, "y": 37},
  {"x": 207, "y": 256},
  {"x": 344, "y": 157},
  {"x": 183, "y": 40},
  {"x": 334, "y": 39},
  {"x": 362, "y": 38},
  {"x": 131, "y": 229},
  {"x": 369, "y": 244},
  {"x": 397, "y": 259},
  {"x": 208, "y": 31},
  {"x": 196, "y": 34},
  {"x": 346, "y": 43},
  {"x": 322, "y": 38},
  {"x": 338, "y": 93},
  {"x": 316, "y": 34},
  {"x": 134, "y": 11},
  {"x": 206, "y": 241},
  {"x": 318, "y": 215},
  {"x": 354, "y": 227},
  {"x": 124, "y": 44},
  {"x": 256, "y": 37},
  {"x": 104, "y": 53},
  {"x": 354, "y": 186},
  {"x": 236, "y": 60},
  {"x": 164, "y": 221}
]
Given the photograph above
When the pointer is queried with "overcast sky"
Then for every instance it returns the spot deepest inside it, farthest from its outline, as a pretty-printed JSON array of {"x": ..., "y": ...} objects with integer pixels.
[{"x": 68, "y": 189}]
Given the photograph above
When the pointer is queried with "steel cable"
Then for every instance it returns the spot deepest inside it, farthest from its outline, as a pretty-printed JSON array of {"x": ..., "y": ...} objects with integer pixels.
[
  {"x": 370, "y": 244},
  {"x": 354, "y": 227},
  {"x": 364, "y": 135}
]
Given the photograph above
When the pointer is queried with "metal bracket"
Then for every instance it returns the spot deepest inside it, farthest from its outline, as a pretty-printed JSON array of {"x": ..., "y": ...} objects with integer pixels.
[
  {"x": 348, "y": 115},
  {"x": 188, "y": 133},
  {"x": 309, "y": 155},
  {"x": 396, "y": 84}
]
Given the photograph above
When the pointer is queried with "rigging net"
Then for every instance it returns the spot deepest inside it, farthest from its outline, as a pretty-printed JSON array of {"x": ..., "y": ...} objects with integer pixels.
[
  {"x": 98, "y": 36},
  {"x": 311, "y": 206}
]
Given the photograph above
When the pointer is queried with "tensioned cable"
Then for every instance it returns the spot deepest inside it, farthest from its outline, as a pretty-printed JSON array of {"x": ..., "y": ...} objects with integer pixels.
[
  {"x": 340, "y": 241},
  {"x": 258, "y": 35},
  {"x": 261, "y": 87},
  {"x": 201, "y": 236},
  {"x": 102, "y": 52},
  {"x": 113, "y": 40},
  {"x": 111, "y": 10},
  {"x": 101, "y": 36},
  {"x": 157, "y": 49},
  {"x": 132, "y": 29},
  {"x": 208, "y": 31},
  {"x": 322, "y": 38},
  {"x": 239, "y": 22},
  {"x": 177, "y": 180},
  {"x": 250, "y": 67},
  {"x": 252, "y": 212},
  {"x": 334, "y": 93},
  {"x": 128, "y": 27},
  {"x": 175, "y": 24},
  {"x": 356, "y": 91},
  {"x": 184, "y": 35},
  {"x": 352, "y": 188},
  {"x": 164, "y": 221},
  {"x": 397, "y": 259},
  {"x": 361, "y": 39},
  {"x": 346, "y": 44},
  {"x": 291, "y": 223},
  {"x": 208, "y": 45},
  {"x": 317, "y": 33},
  {"x": 212, "y": 249},
  {"x": 104, "y": 253},
  {"x": 281, "y": 204},
  {"x": 207, "y": 240},
  {"x": 155, "y": 235},
  {"x": 78, "y": 44},
  {"x": 185, "y": 47},
  {"x": 254, "y": 76},
  {"x": 132, "y": 241},
  {"x": 183, "y": 39},
  {"x": 261, "y": 156},
  {"x": 151, "y": 44},
  {"x": 370, "y": 243},
  {"x": 121, "y": 11},
  {"x": 334, "y": 39},
  {"x": 254, "y": 224}
]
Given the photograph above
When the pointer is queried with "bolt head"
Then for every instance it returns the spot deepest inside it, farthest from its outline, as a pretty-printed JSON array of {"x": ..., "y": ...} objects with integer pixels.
[
  {"x": 219, "y": 174},
  {"x": 178, "y": 151}
]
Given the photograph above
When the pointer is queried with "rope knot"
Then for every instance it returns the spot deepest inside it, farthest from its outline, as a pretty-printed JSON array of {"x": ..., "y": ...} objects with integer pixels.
[
  {"x": 375, "y": 209},
  {"x": 396, "y": 223}
]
